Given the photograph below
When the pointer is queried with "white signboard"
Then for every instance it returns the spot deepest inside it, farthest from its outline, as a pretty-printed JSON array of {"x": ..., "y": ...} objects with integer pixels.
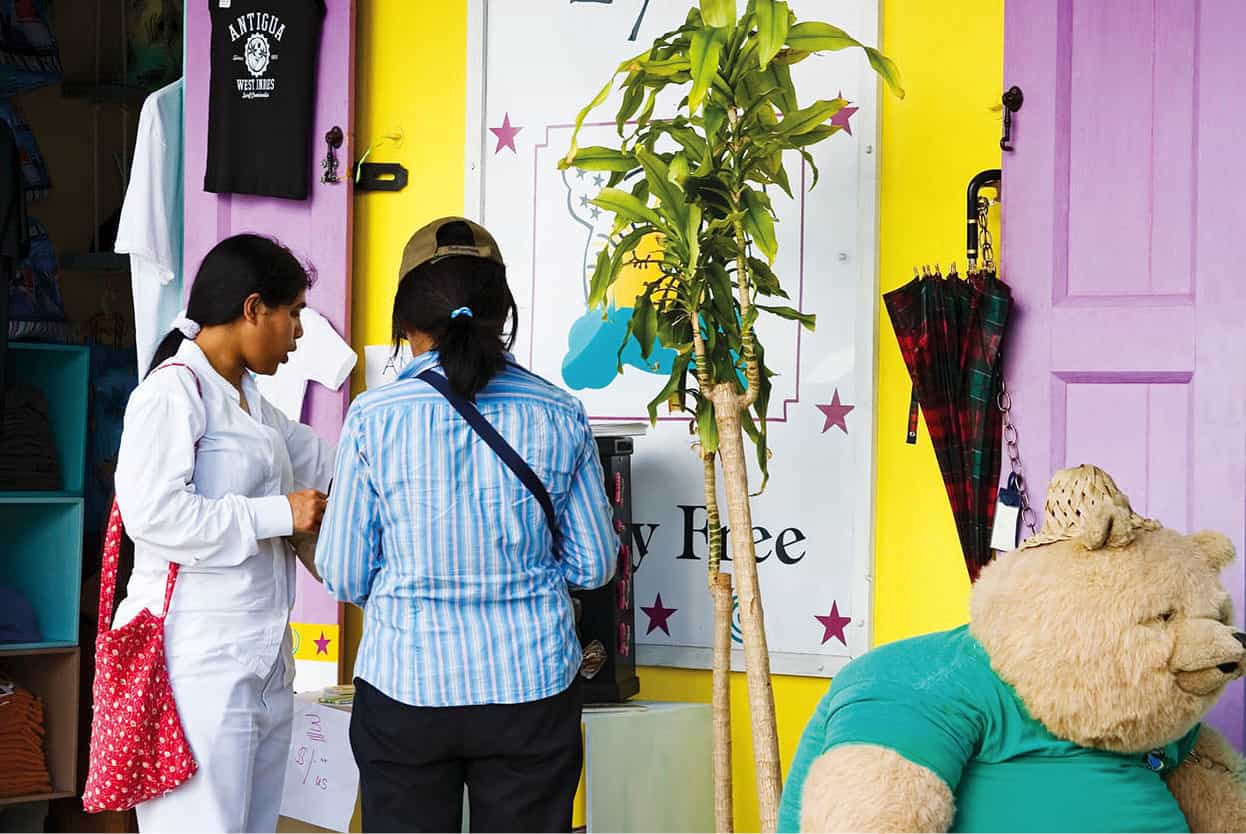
[
  {"x": 322, "y": 780},
  {"x": 532, "y": 66}
]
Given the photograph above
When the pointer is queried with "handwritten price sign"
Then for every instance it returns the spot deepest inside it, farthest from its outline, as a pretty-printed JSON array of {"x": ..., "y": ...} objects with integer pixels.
[{"x": 322, "y": 780}]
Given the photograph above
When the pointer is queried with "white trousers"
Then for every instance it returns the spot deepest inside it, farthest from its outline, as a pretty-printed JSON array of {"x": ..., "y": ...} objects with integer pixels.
[{"x": 238, "y": 726}]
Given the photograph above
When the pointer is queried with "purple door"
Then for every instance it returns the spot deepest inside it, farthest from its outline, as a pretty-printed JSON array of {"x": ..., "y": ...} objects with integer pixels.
[
  {"x": 318, "y": 230},
  {"x": 1124, "y": 236}
]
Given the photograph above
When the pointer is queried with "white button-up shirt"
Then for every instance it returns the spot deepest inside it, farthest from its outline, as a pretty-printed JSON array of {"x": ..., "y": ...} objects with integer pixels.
[{"x": 219, "y": 510}]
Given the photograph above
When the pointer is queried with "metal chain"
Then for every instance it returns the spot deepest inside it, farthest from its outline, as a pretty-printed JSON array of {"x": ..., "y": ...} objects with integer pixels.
[
  {"x": 1014, "y": 457},
  {"x": 985, "y": 246},
  {"x": 1004, "y": 400}
]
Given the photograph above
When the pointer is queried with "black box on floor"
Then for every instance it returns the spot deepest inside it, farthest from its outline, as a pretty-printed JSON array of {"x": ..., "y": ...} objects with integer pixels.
[{"x": 606, "y": 617}]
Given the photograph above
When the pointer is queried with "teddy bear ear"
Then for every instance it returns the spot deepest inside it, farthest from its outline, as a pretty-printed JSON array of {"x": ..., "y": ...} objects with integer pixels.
[
  {"x": 1106, "y": 525},
  {"x": 1215, "y": 547}
]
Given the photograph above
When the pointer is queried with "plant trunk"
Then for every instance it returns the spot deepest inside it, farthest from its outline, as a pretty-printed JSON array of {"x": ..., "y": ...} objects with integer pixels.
[
  {"x": 720, "y": 590},
  {"x": 727, "y": 407}
]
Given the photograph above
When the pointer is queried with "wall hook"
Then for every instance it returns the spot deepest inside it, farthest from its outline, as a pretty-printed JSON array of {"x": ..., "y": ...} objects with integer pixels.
[
  {"x": 1013, "y": 99},
  {"x": 333, "y": 140}
]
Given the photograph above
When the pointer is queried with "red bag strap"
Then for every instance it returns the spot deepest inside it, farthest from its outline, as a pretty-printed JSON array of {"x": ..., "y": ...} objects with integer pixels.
[{"x": 112, "y": 546}]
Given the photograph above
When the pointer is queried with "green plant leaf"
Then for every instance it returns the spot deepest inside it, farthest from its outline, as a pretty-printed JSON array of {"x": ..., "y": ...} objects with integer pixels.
[
  {"x": 815, "y": 36},
  {"x": 631, "y": 103},
  {"x": 715, "y": 116},
  {"x": 705, "y": 52},
  {"x": 674, "y": 385},
  {"x": 668, "y": 68},
  {"x": 627, "y": 336},
  {"x": 603, "y": 277},
  {"x": 626, "y": 207},
  {"x": 786, "y": 97},
  {"x": 807, "y": 118},
  {"x": 601, "y": 96},
  {"x": 759, "y": 223},
  {"x": 624, "y": 247},
  {"x": 749, "y": 319},
  {"x": 645, "y": 323},
  {"x": 646, "y": 112},
  {"x": 718, "y": 13},
  {"x": 678, "y": 171},
  {"x": 778, "y": 173},
  {"x": 692, "y": 233},
  {"x": 598, "y": 158},
  {"x": 675, "y": 331},
  {"x": 722, "y": 307},
  {"x": 764, "y": 279},
  {"x": 814, "y": 136},
  {"x": 808, "y": 320},
  {"x": 707, "y": 427},
  {"x": 788, "y": 57},
  {"x": 772, "y": 26},
  {"x": 813, "y": 166},
  {"x": 670, "y": 196}
]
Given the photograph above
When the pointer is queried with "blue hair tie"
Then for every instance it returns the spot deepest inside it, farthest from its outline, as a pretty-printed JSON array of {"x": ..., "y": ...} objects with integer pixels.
[{"x": 462, "y": 311}]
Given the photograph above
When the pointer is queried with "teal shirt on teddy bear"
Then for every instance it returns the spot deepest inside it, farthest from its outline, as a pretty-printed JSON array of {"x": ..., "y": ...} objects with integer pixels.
[{"x": 936, "y": 701}]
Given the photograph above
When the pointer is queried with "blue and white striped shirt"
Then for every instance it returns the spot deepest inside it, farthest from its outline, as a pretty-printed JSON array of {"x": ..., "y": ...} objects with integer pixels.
[{"x": 448, "y": 553}]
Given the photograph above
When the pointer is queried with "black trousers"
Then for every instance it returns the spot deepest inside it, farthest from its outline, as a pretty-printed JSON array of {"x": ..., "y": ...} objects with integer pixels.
[{"x": 520, "y": 762}]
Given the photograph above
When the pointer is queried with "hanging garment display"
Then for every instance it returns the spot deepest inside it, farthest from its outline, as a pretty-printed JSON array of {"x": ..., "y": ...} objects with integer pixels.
[
  {"x": 262, "y": 96},
  {"x": 14, "y": 243},
  {"x": 36, "y": 310},
  {"x": 150, "y": 229},
  {"x": 153, "y": 42},
  {"x": 35, "y": 177},
  {"x": 112, "y": 381},
  {"x": 29, "y": 57},
  {"x": 321, "y": 356}
]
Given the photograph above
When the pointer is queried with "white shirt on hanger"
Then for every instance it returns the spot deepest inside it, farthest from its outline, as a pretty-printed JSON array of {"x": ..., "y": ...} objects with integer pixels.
[
  {"x": 220, "y": 512},
  {"x": 321, "y": 357},
  {"x": 150, "y": 229}
]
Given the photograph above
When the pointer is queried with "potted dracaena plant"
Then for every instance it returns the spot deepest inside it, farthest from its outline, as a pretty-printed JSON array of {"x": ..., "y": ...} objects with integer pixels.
[{"x": 698, "y": 186}]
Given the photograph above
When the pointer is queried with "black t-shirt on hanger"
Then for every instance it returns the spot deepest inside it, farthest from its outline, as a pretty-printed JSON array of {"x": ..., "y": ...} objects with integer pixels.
[{"x": 262, "y": 96}]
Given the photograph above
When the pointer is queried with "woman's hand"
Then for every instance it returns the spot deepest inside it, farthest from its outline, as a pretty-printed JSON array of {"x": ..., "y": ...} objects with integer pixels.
[{"x": 308, "y": 508}]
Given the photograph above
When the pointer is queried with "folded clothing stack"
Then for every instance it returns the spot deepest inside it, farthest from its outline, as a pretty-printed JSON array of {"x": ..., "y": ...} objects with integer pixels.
[
  {"x": 27, "y": 450},
  {"x": 25, "y": 771}
]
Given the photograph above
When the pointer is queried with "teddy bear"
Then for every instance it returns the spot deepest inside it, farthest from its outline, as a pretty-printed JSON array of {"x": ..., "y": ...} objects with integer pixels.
[{"x": 1073, "y": 699}]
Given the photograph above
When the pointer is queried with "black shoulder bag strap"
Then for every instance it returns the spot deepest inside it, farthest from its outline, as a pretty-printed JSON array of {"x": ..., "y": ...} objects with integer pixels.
[{"x": 499, "y": 445}]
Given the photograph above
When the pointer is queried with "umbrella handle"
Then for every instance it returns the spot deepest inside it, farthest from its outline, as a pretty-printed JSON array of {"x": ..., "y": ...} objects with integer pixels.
[{"x": 981, "y": 180}]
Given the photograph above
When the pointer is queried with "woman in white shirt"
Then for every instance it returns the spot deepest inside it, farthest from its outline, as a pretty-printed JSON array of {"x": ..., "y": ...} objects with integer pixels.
[{"x": 212, "y": 477}]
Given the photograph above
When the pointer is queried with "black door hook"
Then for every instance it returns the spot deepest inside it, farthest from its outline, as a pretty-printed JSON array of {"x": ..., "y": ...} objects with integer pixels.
[
  {"x": 1013, "y": 99},
  {"x": 333, "y": 138}
]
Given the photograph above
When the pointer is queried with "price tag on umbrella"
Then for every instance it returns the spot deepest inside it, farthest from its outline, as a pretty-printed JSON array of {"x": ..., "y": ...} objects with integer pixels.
[{"x": 1007, "y": 514}]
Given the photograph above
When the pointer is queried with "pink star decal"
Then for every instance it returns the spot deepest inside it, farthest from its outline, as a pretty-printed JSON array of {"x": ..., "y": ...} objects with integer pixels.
[
  {"x": 833, "y": 624},
  {"x": 322, "y": 645},
  {"x": 658, "y": 615},
  {"x": 835, "y": 414},
  {"x": 841, "y": 118},
  {"x": 506, "y": 134}
]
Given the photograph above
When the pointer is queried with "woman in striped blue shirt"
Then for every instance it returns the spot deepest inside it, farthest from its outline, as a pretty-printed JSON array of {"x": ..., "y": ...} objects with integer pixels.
[{"x": 467, "y": 673}]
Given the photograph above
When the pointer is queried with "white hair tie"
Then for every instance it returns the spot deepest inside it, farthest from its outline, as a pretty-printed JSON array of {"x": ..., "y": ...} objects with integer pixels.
[{"x": 188, "y": 328}]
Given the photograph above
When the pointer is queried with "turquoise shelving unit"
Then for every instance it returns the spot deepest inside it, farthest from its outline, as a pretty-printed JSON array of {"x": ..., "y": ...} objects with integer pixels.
[
  {"x": 41, "y": 558},
  {"x": 61, "y": 373},
  {"x": 41, "y": 555}
]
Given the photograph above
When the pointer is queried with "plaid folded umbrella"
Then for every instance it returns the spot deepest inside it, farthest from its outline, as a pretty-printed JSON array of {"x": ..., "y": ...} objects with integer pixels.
[{"x": 950, "y": 331}]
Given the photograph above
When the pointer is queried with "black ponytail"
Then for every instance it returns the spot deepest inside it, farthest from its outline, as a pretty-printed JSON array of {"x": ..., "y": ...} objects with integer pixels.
[
  {"x": 237, "y": 268},
  {"x": 464, "y": 304}
]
